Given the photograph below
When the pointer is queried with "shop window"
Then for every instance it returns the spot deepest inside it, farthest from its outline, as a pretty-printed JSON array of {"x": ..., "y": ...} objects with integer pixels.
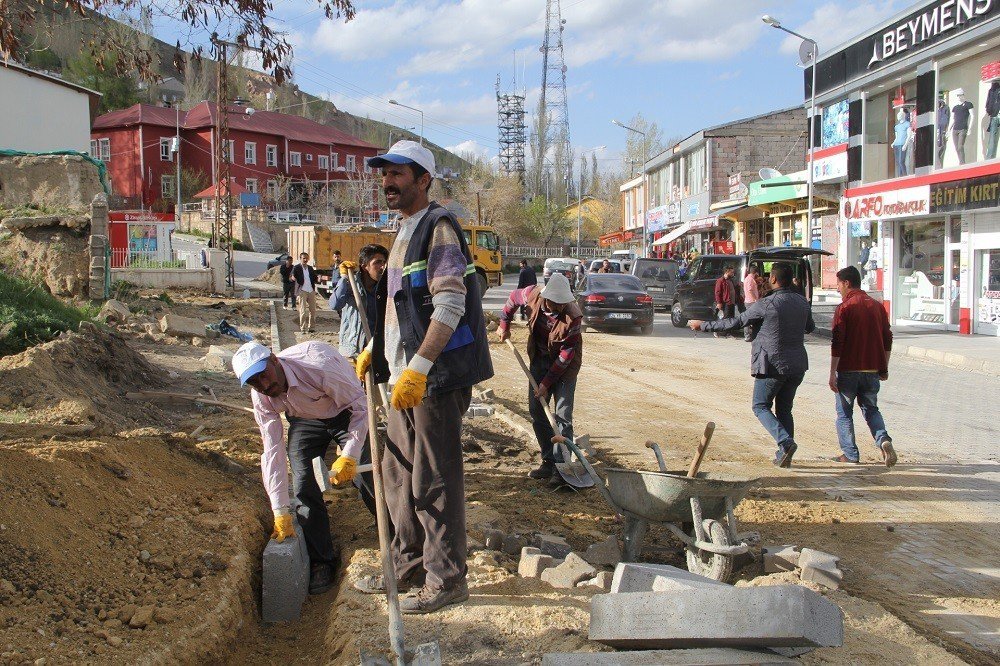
[
  {"x": 890, "y": 133},
  {"x": 967, "y": 118},
  {"x": 835, "y": 125},
  {"x": 863, "y": 250},
  {"x": 988, "y": 292},
  {"x": 920, "y": 284}
]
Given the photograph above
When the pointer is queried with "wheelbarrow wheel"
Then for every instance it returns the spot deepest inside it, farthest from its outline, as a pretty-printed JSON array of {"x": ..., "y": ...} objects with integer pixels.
[{"x": 711, "y": 565}]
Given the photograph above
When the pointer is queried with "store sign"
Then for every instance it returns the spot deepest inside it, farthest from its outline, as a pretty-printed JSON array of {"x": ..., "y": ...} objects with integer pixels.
[
  {"x": 139, "y": 216},
  {"x": 918, "y": 30},
  {"x": 673, "y": 213},
  {"x": 832, "y": 167},
  {"x": 908, "y": 202},
  {"x": 694, "y": 208},
  {"x": 703, "y": 223},
  {"x": 968, "y": 194},
  {"x": 737, "y": 189},
  {"x": 656, "y": 220}
]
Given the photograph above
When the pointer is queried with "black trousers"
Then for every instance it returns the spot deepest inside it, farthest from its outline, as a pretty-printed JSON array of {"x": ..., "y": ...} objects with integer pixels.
[
  {"x": 307, "y": 439},
  {"x": 289, "y": 291}
]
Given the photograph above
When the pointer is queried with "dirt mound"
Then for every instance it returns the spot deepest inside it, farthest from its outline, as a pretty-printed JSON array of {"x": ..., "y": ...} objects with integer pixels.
[
  {"x": 111, "y": 552},
  {"x": 58, "y": 256},
  {"x": 272, "y": 275},
  {"x": 78, "y": 379}
]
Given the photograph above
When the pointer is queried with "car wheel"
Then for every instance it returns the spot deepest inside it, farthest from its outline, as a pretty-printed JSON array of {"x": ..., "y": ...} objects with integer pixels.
[
  {"x": 646, "y": 330},
  {"x": 677, "y": 315}
]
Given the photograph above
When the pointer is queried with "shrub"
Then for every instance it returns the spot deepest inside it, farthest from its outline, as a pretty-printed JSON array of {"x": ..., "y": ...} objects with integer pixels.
[{"x": 30, "y": 315}]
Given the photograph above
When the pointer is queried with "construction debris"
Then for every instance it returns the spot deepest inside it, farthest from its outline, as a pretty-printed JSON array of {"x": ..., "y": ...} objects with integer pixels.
[
  {"x": 780, "y": 558},
  {"x": 533, "y": 562},
  {"x": 184, "y": 327},
  {"x": 818, "y": 567},
  {"x": 573, "y": 570},
  {"x": 604, "y": 554}
]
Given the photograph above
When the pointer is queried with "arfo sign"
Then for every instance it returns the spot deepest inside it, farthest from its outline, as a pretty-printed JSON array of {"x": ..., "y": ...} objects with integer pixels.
[{"x": 908, "y": 202}]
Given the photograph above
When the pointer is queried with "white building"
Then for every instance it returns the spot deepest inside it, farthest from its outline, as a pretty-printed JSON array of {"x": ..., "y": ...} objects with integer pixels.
[{"x": 40, "y": 113}]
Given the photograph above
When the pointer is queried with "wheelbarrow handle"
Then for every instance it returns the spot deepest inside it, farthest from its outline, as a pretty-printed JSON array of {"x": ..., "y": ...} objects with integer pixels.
[
  {"x": 659, "y": 455},
  {"x": 601, "y": 485}
]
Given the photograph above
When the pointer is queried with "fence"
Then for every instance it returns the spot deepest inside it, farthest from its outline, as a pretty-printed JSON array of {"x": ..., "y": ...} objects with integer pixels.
[
  {"x": 122, "y": 257},
  {"x": 554, "y": 251}
]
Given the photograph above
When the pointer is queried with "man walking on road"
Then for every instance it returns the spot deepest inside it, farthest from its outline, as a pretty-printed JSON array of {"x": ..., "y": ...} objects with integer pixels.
[
  {"x": 526, "y": 278},
  {"x": 287, "y": 284},
  {"x": 862, "y": 343},
  {"x": 434, "y": 337},
  {"x": 555, "y": 349},
  {"x": 778, "y": 359},
  {"x": 727, "y": 293},
  {"x": 305, "y": 285},
  {"x": 316, "y": 389}
]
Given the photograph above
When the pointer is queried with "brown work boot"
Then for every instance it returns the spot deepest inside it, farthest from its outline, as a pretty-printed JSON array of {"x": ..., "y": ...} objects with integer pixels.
[
  {"x": 375, "y": 584},
  {"x": 888, "y": 453},
  {"x": 543, "y": 471},
  {"x": 428, "y": 599}
]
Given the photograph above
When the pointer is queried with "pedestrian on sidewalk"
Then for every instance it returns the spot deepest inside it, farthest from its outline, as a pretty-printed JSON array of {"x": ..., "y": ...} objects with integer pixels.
[
  {"x": 433, "y": 334},
  {"x": 287, "y": 283},
  {"x": 778, "y": 359},
  {"x": 859, "y": 362},
  {"x": 555, "y": 351},
  {"x": 751, "y": 294},
  {"x": 727, "y": 294},
  {"x": 305, "y": 287},
  {"x": 316, "y": 389},
  {"x": 526, "y": 278}
]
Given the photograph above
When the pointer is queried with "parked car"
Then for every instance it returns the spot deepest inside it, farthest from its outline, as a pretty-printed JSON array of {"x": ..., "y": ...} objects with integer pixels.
[
  {"x": 695, "y": 296},
  {"x": 277, "y": 261},
  {"x": 615, "y": 300},
  {"x": 596, "y": 264},
  {"x": 626, "y": 257},
  {"x": 565, "y": 265},
  {"x": 659, "y": 276}
]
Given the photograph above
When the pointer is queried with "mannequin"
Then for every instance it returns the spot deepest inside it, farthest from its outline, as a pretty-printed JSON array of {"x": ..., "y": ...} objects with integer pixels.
[
  {"x": 943, "y": 119},
  {"x": 962, "y": 118},
  {"x": 908, "y": 152},
  {"x": 902, "y": 130},
  {"x": 992, "y": 118}
]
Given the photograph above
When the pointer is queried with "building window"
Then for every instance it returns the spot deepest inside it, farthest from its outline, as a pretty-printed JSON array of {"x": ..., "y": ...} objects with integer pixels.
[
  {"x": 250, "y": 153},
  {"x": 323, "y": 161},
  {"x": 230, "y": 151},
  {"x": 252, "y": 185},
  {"x": 295, "y": 159},
  {"x": 167, "y": 187},
  {"x": 309, "y": 157},
  {"x": 694, "y": 182},
  {"x": 336, "y": 162},
  {"x": 350, "y": 163},
  {"x": 272, "y": 156},
  {"x": 105, "y": 146},
  {"x": 95, "y": 151},
  {"x": 272, "y": 190},
  {"x": 165, "y": 149}
]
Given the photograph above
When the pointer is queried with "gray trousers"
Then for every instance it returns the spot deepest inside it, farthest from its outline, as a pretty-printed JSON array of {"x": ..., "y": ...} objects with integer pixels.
[
  {"x": 424, "y": 479},
  {"x": 563, "y": 392}
]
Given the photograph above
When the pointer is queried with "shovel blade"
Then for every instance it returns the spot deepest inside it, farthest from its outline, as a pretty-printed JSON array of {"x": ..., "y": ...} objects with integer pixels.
[
  {"x": 425, "y": 654},
  {"x": 373, "y": 659}
]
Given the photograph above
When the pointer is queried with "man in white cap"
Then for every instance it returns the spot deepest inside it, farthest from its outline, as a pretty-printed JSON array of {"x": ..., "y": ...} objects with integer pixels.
[
  {"x": 315, "y": 387},
  {"x": 555, "y": 348},
  {"x": 433, "y": 335}
]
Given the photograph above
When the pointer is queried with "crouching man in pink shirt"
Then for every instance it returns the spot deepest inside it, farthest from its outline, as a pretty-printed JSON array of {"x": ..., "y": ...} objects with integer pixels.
[{"x": 317, "y": 390}]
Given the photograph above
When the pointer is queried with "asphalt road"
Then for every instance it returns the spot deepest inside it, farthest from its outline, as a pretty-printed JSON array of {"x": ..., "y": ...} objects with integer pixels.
[{"x": 248, "y": 264}]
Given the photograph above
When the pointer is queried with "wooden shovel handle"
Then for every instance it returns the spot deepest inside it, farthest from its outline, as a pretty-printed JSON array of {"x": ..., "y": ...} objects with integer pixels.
[{"x": 702, "y": 447}]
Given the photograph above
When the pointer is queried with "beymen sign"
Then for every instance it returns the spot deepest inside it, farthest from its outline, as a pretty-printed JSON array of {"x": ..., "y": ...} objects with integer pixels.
[{"x": 908, "y": 202}]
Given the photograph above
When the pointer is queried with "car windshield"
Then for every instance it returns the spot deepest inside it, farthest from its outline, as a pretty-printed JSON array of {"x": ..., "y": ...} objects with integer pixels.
[
  {"x": 660, "y": 271},
  {"x": 613, "y": 282},
  {"x": 486, "y": 240},
  {"x": 561, "y": 266}
]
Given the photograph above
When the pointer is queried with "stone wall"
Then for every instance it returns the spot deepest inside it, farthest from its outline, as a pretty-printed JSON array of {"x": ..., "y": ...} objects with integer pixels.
[{"x": 48, "y": 181}]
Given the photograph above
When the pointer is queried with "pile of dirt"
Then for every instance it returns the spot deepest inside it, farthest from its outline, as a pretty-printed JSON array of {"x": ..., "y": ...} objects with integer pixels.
[
  {"x": 78, "y": 379},
  {"x": 56, "y": 255},
  {"x": 271, "y": 275},
  {"x": 123, "y": 550}
]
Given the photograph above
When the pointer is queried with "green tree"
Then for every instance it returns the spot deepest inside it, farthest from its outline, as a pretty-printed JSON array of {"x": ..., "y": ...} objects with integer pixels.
[
  {"x": 117, "y": 92},
  {"x": 545, "y": 224}
]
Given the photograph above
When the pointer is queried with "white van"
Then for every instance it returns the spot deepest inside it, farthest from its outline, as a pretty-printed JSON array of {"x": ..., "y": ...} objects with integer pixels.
[{"x": 626, "y": 257}]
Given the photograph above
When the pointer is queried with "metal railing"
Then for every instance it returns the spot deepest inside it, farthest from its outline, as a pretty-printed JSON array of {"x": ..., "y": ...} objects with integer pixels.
[
  {"x": 122, "y": 257},
  {"x": 524, "y": 251}
]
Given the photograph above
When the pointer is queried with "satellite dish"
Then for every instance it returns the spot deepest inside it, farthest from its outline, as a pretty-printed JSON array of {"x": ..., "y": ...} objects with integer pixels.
[
  {"x": 767, "y": 173},
  {"x": 805, "y": 53}
]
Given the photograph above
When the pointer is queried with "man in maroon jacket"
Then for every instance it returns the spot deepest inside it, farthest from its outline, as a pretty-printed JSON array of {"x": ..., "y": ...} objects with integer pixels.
[
  {"x": 727, "y": 295},
  {"x": 859, "y": 361}
]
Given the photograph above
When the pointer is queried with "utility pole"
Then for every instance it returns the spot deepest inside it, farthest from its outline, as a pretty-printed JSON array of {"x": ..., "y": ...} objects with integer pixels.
[{"x": 177, "y": 153}]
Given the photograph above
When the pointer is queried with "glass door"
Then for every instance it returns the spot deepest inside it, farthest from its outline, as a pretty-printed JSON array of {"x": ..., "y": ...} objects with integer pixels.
[
  {"x": 953, "y": 270},
  {"x": 987, "y": 306},
  {"x": 920, "y": 273}
]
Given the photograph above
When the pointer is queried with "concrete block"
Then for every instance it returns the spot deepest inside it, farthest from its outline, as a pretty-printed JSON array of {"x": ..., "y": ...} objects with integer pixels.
[
  {"x": 821, "y": 568},
  {"x": 114, "y": 311},
  {"x": 638, "y": 577},
  {"x": 285, "y": 583},
  {"x": 555, "y": 546},
  {"x": 573, "y": 569},
  {"x": 604, "y": 554},
  {"x": 703, "y": 657},
  {"x": 513, "y": 543},
  {"x": 218, "y": 359},
  {"x": 181, "y": 327},
  {"x": 479, "y": 411},
  {"x": 602, "y": 580},
  {"x": 720, "y": 616},
  {"x": 487, "y": 396},
  {"x": 533, "y": 563},
  {"x": 493, "y": 539},
  {"x": 780, "y": 558}
]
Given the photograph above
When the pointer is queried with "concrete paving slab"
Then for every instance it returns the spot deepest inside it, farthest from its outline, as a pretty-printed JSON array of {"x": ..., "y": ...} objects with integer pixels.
[
  {"x": 702, "y": 657},
  {"x": 639, "y": 577},
  {"x": 285, "y": 583},
  {"x": 566, "y": 575}
]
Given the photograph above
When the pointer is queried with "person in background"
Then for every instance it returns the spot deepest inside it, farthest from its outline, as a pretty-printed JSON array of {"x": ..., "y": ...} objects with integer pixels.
[
  {"x": 304, "y": 276},
  {"x": 606, "y": 267},
  {"x": 860, "y": 350},
  {"x": 727, "y": 294},
  {"x": 287, "y": 284},
  {"x": 526, "y": 278},
  {"x": 751, "y": 294}
]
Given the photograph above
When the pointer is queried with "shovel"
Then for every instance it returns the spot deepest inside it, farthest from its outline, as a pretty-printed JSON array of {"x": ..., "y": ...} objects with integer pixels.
[
  {"x": 706, "y": 438},
  {"x": 572, "y": 474},
  {"x": 426, "y": 654}
]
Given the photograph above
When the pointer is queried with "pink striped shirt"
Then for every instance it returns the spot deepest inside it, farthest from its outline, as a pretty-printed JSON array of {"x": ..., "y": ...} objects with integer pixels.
[{"x": 321, "y": 384}]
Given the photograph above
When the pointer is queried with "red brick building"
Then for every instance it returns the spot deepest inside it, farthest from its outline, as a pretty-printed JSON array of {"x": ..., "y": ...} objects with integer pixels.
[{"x": 267, "y": 148}]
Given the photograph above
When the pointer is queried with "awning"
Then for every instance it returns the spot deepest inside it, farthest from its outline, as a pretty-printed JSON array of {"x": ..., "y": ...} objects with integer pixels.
[
  {"x": 722, "y": 212},
  {"x": 783, "y": 188},
  {"x": 673, "y": 235}
]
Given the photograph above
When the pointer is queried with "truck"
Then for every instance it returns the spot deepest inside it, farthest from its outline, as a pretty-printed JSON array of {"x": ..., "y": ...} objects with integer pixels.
[{"x": 320, "y": 242}]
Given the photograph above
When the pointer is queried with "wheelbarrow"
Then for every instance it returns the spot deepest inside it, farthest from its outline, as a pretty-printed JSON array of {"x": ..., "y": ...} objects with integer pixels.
[{"x": 673, "y": 499}]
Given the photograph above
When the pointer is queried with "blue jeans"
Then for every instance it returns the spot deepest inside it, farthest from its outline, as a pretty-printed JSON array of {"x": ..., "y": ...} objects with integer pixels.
[
  {"x": 863, "y": 388},
  {"x": 779, "y": 392}
]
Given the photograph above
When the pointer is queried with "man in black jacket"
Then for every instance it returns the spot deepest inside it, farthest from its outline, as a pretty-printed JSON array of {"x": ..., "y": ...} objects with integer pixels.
[
  {"x": 287, "y": 284},
  {"x": 305, "y": 286},
  {"x": 778, "y": 359},
  {"x": 526, "y": 278}
]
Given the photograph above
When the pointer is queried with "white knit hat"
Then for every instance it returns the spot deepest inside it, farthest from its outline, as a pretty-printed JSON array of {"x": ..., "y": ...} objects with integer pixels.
[{"x": 557, "y": 290}]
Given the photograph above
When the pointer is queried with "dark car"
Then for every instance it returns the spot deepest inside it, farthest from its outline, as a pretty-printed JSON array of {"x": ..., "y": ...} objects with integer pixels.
[
  {"x": 695, "y": 297},
  {"x": 659, "y": 276},
  {"x": 564, "y": 265},
  {"x": 277, "y": 261},
  {"x": 615, "y": 300}
]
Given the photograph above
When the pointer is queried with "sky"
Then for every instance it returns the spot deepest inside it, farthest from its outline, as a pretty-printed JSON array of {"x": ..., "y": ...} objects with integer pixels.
[{"x": 684, "y": 64}]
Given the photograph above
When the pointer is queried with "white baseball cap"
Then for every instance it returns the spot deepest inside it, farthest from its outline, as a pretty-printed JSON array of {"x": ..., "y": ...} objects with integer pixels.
[
  {"x": 406, "y": 152},
  {"x": 557, "y": 290},
  {"x": 249, "y": 360}
]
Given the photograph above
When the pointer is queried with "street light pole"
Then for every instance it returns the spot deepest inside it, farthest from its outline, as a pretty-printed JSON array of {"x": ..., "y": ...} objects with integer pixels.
[
  {"x": 644, "y": 197},
  {"x": 579, "y": 201},
  {"x": 392, "y": 101},
  {"x": 775, "y": 23}
]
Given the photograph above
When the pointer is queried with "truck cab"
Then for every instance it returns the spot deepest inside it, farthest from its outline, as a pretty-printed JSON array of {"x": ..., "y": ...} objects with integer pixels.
[{"x": 485, "y": 249}]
